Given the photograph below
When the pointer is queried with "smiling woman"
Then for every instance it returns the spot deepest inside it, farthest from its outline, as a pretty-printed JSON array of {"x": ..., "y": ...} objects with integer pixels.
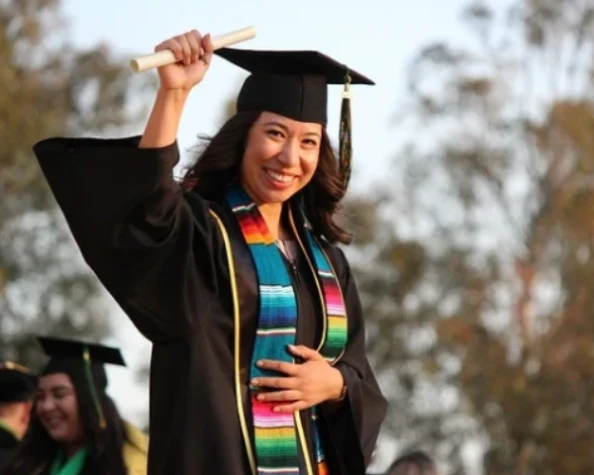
[
  {"x": 258, "y": 363},
  {"x": 280, "y": 158},
  {"x": 57, "y": 408},
  {"x": 76, "y": 428}
]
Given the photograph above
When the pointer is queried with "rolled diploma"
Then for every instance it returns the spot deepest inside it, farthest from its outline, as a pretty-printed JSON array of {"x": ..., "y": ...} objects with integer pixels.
[{"x": 162, "y": 58}]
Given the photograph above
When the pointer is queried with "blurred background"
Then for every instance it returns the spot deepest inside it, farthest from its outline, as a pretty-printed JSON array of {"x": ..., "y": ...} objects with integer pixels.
[{"x": 471, "y": 201}]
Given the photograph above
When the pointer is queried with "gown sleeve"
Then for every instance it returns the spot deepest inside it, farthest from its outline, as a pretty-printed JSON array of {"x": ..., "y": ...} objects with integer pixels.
[
  {"x": 154, "y": 254},
  {"x": 354, "y": 423}
]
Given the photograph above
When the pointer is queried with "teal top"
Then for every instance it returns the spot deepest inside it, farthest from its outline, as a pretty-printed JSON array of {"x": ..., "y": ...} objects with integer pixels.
[{"x": 72, "y": 466}]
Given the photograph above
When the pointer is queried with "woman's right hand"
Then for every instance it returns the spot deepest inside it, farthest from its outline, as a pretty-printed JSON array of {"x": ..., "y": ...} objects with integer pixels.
[{"x": 193, "y": 54}]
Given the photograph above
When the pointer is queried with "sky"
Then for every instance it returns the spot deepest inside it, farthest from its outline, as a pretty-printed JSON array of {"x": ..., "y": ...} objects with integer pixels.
[{"x": 378, "y": 38}]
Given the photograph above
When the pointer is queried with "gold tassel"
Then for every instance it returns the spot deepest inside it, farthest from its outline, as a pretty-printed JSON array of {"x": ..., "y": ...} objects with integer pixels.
[
  {"x": 345, "y": 141},
  {"x": 89, "y": 373}
]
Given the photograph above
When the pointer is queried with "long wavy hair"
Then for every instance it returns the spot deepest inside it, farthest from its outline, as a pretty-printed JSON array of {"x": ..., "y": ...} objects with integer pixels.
[
  {"x": 219, "y": 163},
  {"x": 38, "y": 450}
]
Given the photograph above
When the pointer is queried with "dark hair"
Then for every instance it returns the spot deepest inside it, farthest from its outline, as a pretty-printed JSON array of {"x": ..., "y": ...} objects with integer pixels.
[
  {"x": 413, "y": 463},
  {"x": 37, "y": 450},
  {"x": 219, "y": 164}
]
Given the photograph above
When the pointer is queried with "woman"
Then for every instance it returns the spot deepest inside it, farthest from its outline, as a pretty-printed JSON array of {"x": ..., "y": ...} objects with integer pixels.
[
  {"x": 258, "y": 361},
  {"x": 414, "y": 463},
  {"x": 75, "y": 428}
]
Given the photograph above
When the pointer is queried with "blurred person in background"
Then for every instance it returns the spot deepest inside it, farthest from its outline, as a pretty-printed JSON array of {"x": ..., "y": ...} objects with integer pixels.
[
  {"x": 75, "y": 428},
  {"x": 413, "y": 463},
  {"x": 17, "y": 388}
]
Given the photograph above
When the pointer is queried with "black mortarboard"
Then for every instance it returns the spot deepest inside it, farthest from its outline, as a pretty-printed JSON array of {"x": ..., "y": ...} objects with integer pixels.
[
  {"x": 295, "y": 84},
  {"x": 17, "y": 383},
  {"x": 289, "y": 83},
  {"x": 82, "y": 361},
  {"x": 58, "y": 348}
]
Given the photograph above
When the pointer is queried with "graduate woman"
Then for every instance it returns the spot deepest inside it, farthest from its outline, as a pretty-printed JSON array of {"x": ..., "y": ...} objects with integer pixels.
[
  {"x": 258, "y": 363},
  {"x": 76, "y": 428}
]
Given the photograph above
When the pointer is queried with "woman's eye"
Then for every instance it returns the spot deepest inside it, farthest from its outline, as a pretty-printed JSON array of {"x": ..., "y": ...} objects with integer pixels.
[
  {"x": 275, "y": 133},
  {"x": 61, "y": 394}
]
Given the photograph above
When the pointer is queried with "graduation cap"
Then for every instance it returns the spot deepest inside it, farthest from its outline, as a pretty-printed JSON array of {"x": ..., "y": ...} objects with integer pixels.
[
  {"x": 17, "y": 383},
  {"x": 295, "y": 84},
  {"x": 83, "y": 362}
]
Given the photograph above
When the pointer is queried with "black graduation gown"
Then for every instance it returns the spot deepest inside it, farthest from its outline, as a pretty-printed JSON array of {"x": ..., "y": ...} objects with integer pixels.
[
  {"x": 163, "y": 255},
  {"x": 8, "y": 443}
]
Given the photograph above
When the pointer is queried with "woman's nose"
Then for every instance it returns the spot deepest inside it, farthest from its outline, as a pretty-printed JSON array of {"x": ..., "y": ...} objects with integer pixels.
[
  {"x": 289, "y": 155},
  {"x": 45, "y": 405}
]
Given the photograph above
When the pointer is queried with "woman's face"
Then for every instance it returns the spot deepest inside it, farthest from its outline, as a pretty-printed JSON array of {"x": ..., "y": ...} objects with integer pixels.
[
  {"x": 57, "y": 408},
  {"x": 280, "y": 157}
]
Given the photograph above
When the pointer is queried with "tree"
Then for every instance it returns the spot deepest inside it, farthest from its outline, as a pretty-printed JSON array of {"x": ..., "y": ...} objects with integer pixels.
[
  {"x": 49, "y": 87},
  {"x": 406, "y": 287},
  {"x": 480, "y": 296}
]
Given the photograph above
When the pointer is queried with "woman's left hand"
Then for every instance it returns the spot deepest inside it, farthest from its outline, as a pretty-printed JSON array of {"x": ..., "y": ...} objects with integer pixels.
[{"x": 305, "y": 385}]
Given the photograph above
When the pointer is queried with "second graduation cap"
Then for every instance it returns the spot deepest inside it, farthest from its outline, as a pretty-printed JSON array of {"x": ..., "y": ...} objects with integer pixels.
[
  {"x": 294, "y": 84},
  {"x": 61, "y": 348}
]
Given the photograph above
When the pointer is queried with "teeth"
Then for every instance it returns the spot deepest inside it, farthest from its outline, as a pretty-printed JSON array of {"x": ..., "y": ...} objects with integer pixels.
[{"x": 280, "y": 176}]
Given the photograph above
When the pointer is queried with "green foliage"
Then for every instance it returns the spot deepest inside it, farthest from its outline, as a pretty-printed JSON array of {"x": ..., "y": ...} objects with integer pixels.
[{"x": 478, "y": 288}]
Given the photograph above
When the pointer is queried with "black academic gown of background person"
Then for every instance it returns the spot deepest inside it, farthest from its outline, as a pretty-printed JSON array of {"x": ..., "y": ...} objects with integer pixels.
[
  {"x": 162, "y": 256},
  {"x": 8, "y": 443}
]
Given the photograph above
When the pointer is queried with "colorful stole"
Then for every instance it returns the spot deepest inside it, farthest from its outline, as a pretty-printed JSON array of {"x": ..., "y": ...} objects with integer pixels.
[
  {"x": 276, "y": 437},
  {"x": 73, "y": 466}
]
